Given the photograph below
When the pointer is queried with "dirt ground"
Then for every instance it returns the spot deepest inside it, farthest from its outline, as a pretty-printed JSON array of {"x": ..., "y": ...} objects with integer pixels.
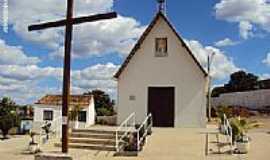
[{"x": 165, "y": 143}]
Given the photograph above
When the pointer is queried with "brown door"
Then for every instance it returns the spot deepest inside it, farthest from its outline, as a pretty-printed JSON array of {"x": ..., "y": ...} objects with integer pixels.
[{"x": 161, "y": 105}]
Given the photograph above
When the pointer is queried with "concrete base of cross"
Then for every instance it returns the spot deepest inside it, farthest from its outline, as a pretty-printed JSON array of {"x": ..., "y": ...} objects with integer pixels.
[{"x": 52, "y": 156}]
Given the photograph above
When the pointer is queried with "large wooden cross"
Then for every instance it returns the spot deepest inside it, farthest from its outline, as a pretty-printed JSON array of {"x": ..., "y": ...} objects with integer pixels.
[{"x": 68, "y": 23}]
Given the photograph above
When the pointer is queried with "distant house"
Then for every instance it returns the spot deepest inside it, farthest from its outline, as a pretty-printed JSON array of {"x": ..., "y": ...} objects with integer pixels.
[
  {"x": 49, "y": 108},
  {"x": 26, "y": 118},
  {"x": 162, "y": 76},
  {"x": 25, "y": 112}
]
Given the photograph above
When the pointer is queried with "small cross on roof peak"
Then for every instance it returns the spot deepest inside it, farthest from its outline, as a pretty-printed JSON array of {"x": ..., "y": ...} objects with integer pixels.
[{"x": 161, "y": 5}]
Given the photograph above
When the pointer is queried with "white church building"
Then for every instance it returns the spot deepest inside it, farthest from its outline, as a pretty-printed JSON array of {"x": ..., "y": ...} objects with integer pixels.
[{"x": 161, "y": 76}]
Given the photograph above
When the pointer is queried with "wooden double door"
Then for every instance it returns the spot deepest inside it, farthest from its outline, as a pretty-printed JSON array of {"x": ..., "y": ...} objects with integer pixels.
[{"x": 161, "y": 102}]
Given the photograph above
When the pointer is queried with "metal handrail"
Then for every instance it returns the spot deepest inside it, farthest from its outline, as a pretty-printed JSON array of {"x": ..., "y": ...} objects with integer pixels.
[
  {"x": 124, "y": 124},
  {"x": 143, "y": 125},
  {"x": 228, "y": 131}
]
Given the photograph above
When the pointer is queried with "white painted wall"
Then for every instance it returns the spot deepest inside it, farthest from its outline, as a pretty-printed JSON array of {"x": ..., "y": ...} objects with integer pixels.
[
  {"x": 57, "y": 113},
  {"x": 39, "y": 109},
  {"x": 177, "y": 70},
  {"x": 38, "y": 115},
  {"x": 251, "y": 99},
  {"x": 91, "y": 113}
]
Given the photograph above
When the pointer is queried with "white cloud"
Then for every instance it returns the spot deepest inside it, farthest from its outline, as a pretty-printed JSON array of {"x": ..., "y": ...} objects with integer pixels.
[
  {"x": 15, "y": 55},
  {"x": 245, "y": 12},
  {"x": 245, "y": 29},
  {"x": 29, "y": 72},
  {"x": 222, "y": 66},
  {"x": 108, "y": 36},
  {"x": 267, "y": 60},
  {"x": 98, "y": 76},
  {"x": 265, "y": 76},
  {"x": 25, "y": 81},
  {"x": 117, "y": 35},
  {"x": 22, "y": 82},
  {"x": 226, "y": 42},
  {"x": 28, "y": 82},
  {"x": 21, "y": 76}
]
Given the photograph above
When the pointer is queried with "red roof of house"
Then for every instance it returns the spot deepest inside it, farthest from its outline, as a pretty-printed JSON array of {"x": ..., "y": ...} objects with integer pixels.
[
  {"x": 144, "y": 35},
  {"x": 81, "y": 100}
]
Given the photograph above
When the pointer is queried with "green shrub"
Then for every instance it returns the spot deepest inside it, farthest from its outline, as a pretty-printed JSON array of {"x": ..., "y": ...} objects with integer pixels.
[
  {"x": 8, "y": 116},
  {"x": 101, "y": 121},
  {"x": 240, "y": 127},
  {"x": 101, "y": 99},
  {"x": 104, "y": 111},
  {"x": 6, "y": 123},
  {"x": 74, "y": 113},
  {"x": 221, "y": 110}
]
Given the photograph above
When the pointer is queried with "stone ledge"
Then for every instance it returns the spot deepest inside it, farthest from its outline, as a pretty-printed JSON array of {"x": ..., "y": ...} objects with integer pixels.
[
  {"x": 126, "y": 154},
  {"x": 52, "y": 156}
]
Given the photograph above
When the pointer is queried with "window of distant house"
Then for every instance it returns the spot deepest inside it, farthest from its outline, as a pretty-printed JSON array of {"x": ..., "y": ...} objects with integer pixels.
[
  {"x": 82, "y": 116},
  {"x": 47, "y": 115},
  {"x": 161, "y": 47}
]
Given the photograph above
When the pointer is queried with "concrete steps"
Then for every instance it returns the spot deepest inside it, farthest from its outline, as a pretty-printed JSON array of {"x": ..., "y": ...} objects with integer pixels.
[
  {"x": 94, "y": 131},
  {"x": 92, "y": 139},
  {"x": 94, "y": 135},
  {"x": 90, "y": 147}
]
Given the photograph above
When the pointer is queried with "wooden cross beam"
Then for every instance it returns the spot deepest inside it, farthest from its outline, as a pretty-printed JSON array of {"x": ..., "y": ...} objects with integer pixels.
[
  {"x": 68, "y": 23},
  {"x": 78, "y": 20}
]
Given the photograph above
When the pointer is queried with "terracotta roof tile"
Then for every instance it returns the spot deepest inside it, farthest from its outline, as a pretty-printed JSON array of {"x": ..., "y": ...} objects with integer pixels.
[{"x": 81, "y": 100}]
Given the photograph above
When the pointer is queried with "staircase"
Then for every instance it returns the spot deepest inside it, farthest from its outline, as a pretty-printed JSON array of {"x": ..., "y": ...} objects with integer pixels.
[
  {"x": 105, "y": 139},
  {"x": 92, "y": 139}
]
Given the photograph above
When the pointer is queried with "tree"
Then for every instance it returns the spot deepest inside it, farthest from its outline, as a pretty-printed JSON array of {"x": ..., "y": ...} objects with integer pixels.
[
  {"x": 239, "y": 81},
  {"x": 74, "y": 113},
  {"x": 103, "y": 103},
  {"x": 217, "y": 91},
  {"x": 8, "y": 116},
  {"x": 242, "y": 81}
]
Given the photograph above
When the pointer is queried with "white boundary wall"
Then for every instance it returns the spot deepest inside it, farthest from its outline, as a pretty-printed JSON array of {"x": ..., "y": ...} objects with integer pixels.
[{"x": 252, "y": 99}]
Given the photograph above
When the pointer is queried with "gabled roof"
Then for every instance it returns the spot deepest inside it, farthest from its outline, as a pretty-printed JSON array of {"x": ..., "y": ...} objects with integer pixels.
[
  {"x": 56, "y": 100},
  {"x": 145, "y": 34}
]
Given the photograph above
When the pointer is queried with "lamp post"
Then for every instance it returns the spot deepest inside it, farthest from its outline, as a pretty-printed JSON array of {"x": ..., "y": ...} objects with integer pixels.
[{"x": 210, "y": 58}]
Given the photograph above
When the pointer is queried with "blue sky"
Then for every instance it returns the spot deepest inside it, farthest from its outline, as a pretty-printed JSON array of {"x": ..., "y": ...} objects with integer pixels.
[{"x": 237, "y": 30}]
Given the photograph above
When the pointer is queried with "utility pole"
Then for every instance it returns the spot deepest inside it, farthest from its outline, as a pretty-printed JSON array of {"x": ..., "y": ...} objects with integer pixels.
[{"x": 210, "y": 58}]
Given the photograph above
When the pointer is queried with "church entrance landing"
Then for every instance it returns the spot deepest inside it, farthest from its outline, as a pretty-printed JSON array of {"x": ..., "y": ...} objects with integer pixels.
[{"x": 161, "y": 105}]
